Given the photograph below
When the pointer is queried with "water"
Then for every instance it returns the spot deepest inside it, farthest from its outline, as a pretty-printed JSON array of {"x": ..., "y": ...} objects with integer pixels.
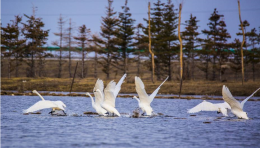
[{"x": 175, "y": 128}]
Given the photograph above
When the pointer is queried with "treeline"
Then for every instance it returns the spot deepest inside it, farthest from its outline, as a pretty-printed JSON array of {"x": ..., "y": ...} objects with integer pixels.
[{"x": 121, "y": 36}]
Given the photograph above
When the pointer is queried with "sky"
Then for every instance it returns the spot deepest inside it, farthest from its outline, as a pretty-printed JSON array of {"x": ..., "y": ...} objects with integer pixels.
[{"x": 90, "y": 12}]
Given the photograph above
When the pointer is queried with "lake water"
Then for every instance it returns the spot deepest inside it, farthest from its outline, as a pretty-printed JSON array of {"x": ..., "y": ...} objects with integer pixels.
[{"x": 175, "y": 128}]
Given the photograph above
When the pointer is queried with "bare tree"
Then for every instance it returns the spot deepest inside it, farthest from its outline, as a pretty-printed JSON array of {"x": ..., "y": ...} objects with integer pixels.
[
  {"x": 82, "y": 41},
  {"x": 61, "y": 23},
  {"x": 68, "y": 38}
]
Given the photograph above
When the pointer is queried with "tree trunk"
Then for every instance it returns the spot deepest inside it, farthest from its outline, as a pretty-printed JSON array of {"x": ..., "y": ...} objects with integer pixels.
[
  {"x": 9, "y": 67},
  {"x": 82, "y": 63},
  {"x": 16, "y": 67},
  {"x": 192, "y": 66},
  {"x": 253, "y": 68},
  {"x": 125, "y": 60},
  {"x": 60, "y": 64},
  {"x": 170, "y": 68},
  {"x": 150, "y": 42},
  {"x": 214, "y": 66},
  {"x": 138, "y": 65},
  {"x": 220, "y": 73},
  {"x": 70, "y": 49},
  {"x": 32, "y": 73},
  {"x": 95, "y": 65},
  {"x": 108, "y": 65},
  {"x": 207, "y": 67}
]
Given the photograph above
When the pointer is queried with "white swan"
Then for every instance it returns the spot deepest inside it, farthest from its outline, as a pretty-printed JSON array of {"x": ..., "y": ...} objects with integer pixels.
[
  {"x": 99, "y": 98},
  {"x": 111, "y": 91},
  {"x": 208, "y": 106},
  {"x": 236, "y": 107},
  {"x": 145, "y": 100},
  {"x": 55, "y": 105}
]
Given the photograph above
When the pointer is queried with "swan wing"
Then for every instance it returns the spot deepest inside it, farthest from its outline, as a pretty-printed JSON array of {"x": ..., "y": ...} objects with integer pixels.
[
  {"x": 223, "y": 105},
  {"x": 40, "y": 105},
  {"x": 151, "y": 97},
  {"x": 139, "y": 86},
  {"x": 99, "y": 99},
  {"x": 244, "y": 101},
  {"x": 118, "y": 86},
  {"x": 228, "y": 97},
  {"x": 60, "y": 105},
  {"x": 203, "y": 106},
  {"x": 110, "y": 97},
  {"x": 99, "y": 85}
]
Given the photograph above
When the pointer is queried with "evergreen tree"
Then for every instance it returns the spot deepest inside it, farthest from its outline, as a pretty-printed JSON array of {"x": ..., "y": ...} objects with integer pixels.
[
  {"x": 169, "y": 38},
  {"x": 204, "y": 55},
  {"x": 36, "y": 38},
  {"x": 10, "y": 40},
  {"x": 156, "y": 34},
  {"x": 82, "y": 39},
  {"x": 254, "y": 52},
  {"x": 61, "y": 23},
  {"x": 219, "y": 35},
  {"x": 140, "y": 47},
  {"x": 222, "y": 48},
  {"x": 125, "y": 35},
  {"x": 190, "y": 37},
  {"x": 246, "y": 24},
  {"x": 108, "y": 40},
  {"x": 236, "y": 61}
]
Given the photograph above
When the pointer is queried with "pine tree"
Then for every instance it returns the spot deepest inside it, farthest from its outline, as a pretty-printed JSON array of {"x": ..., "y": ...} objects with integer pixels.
[
  {"x": 254, "y": 53},
  {"x": 61, "y": 23},
  {"x": 222, "y": 47},
  {"x": 125, "y": 35},
  {"x": 157, "y": 26},
  {"x": 140, "y": 47},
  {"x": 36, "y": 38},
  {"x": 246, "y": 24},
  {"x": 10, "y": 38},
  {"x": 205, "y": 56},
  {"x": 168, "y": 37},
  {"x": 219, "y": 35},
  {"x": 236, "y": 61},
  {"x": 82, "y": 39},
  {"x": 108, "y": 40},
  {"x": 190, "y": 36}
]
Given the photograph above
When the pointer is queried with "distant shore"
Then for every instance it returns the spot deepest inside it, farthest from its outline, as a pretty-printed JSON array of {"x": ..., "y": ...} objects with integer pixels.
[
  {"x": 23, "y": 85},
  {"x": 159, "y": 96}
]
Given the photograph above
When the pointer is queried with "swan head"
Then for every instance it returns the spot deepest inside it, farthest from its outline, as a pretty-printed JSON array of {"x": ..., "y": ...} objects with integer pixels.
[
  {"x": 87, "y": 93},
  {"x": 34, "y": 91},
  {"x": 243, "y": 115},
  {"x": 134, "y": 97}
]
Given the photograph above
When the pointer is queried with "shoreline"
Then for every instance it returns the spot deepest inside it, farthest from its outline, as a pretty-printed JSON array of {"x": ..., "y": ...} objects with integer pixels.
[{"x": 122, "y": 95}]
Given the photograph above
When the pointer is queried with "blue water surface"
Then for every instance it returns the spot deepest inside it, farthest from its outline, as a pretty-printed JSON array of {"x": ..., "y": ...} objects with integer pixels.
[{"x": 175, "y": 128}]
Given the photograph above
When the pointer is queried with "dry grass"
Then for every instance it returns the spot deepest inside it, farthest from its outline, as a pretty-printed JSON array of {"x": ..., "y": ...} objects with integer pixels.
[{"x": 170, "y": 87}]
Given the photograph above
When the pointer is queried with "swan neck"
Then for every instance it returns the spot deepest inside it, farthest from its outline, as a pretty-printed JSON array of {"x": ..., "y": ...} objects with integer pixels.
[
  {"x": 137, "y": 99},
  {"x": 40, "y": 96},
  {"x": 100, "y": 93},
  {"x": 91, "y": 99}
]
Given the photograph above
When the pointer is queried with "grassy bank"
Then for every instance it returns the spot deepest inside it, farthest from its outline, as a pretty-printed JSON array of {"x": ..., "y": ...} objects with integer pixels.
[{"x": 87, "y": 84}]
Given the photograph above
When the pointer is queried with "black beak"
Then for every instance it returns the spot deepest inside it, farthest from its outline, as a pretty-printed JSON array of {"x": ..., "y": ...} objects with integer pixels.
[{"x": 218, "y": 112}]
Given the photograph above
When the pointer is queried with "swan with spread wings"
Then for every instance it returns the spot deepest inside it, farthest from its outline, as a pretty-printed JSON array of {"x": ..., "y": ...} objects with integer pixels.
[
  {"x": 145, "y": 101},
  {"x": 43, "y": 104}
]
